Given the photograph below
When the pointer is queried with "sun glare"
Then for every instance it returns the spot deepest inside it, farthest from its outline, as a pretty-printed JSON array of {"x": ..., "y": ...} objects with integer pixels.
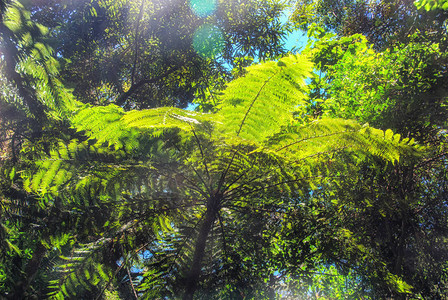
[
  {"x": 203, "y": 8},
  {"x": 208, "y": 41}
]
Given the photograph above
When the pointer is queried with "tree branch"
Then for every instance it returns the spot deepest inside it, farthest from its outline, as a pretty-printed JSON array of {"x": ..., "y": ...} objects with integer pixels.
[{"x": 120, "y": 101}]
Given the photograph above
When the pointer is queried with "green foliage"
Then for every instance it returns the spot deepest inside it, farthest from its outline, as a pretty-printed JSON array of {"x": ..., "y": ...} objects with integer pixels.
[
  {"x": 385, "y": 89},
  {"x": 431, "y": 5},
  {"x": 227, "y": 152},
  {"x": 330, "y": 283},
  {"x": 402, "y": 88},
  {"x": 246, "y": 101},
  {"x": 384, "y": 23},
  {"x": 255, "y": 199},
  {"x": 37, "y": 68},
  {"x": 139, "y": 54}
]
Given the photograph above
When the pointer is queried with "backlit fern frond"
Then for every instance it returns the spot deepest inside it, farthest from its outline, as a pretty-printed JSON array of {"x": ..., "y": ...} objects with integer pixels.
[
  {"x": 111, "y": 125},
  {"x": 103, "y": 123},
  {"x": 82, "y": 170},
  {"x": 167, "y": 117},
  {"x": 328, "y": 135},
  {"x": 88, "y": 269},
  {"x": 257, "y": 105}
]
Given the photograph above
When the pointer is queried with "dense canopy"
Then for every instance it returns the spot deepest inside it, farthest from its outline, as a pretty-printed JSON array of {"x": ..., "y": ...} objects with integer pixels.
[{"x": 316, "y": 174}]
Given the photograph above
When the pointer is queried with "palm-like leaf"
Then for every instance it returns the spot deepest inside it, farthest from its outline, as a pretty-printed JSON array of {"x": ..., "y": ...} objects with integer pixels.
[{"x": 260, "y": 103}]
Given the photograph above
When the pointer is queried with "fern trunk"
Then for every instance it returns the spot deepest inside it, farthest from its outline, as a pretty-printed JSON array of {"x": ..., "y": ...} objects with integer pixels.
[{"x": 199, "y": 251}]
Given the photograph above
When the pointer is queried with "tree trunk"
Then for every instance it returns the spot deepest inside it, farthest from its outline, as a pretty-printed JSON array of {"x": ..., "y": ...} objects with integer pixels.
[{"x": 199, "y": 251}]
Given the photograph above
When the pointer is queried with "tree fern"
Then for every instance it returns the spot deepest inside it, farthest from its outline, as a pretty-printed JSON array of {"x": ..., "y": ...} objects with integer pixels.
[
  {"x": 206, "y": 156},
  {"x": 191, "y": 185}
]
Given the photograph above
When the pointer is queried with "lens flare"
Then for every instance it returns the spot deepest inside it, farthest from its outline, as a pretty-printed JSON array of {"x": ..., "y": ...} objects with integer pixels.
[
  {"x": 203, "y": 8},
  {"x": 208, "y": 41}
]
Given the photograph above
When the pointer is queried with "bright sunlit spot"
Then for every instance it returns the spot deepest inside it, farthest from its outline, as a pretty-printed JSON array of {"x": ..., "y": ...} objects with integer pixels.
[
  {"x": 203, "y": 8},
  {"x": 208, "y": 41}
]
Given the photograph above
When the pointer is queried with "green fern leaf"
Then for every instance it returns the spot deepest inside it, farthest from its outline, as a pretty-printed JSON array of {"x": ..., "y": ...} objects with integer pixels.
[
  {"x": 327, "y": 135},
  {"x": 166, "y": 117},
  {"x": 257, "y": 105}
]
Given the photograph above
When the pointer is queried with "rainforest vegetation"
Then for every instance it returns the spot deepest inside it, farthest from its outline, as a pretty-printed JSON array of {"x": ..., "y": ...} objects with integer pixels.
[{"x": 177, "y": 149}]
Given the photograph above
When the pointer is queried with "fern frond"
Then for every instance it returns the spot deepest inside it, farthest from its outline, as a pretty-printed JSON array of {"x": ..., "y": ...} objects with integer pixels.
[
  {"x": 77, "y": 273},
  {"x": 111, "y": 125},
  {"x": 257, "y": 105},
  {"x": 78, "y": 169},
  {"x": 103, "y": 123},
  {"x": 327, "y": 135},
  {"x": 166, "y": 117},
  {"x": 35, "y": 67}
]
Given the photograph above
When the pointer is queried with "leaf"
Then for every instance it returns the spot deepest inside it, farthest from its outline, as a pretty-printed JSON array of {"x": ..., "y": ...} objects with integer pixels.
[
  {"x": 256, "y": 105},
  {"x": 166, "y": 117},
  {"x": 12, "y": 174}
]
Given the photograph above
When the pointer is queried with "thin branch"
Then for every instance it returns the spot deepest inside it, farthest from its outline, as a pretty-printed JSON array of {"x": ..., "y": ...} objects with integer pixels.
[
  {"x": 429, "y": 160},
  {"x": 202, "y": 180},
  {"x": 223, "y": 175},
  {"x": 320, "y": 153},
  {"x": 131, "y": 284},
  {"x": 263, "y": 175},
  {"x": 120, "y": 267},
  {"x": 234, "y": 181},
  {"x": 194, "y": 186},
  {"x": 237, "y": 179},
  {"x": 255, "y": 209},
  {"x": 123, "y": 97},
  {"x": 137, "y": 38}
]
